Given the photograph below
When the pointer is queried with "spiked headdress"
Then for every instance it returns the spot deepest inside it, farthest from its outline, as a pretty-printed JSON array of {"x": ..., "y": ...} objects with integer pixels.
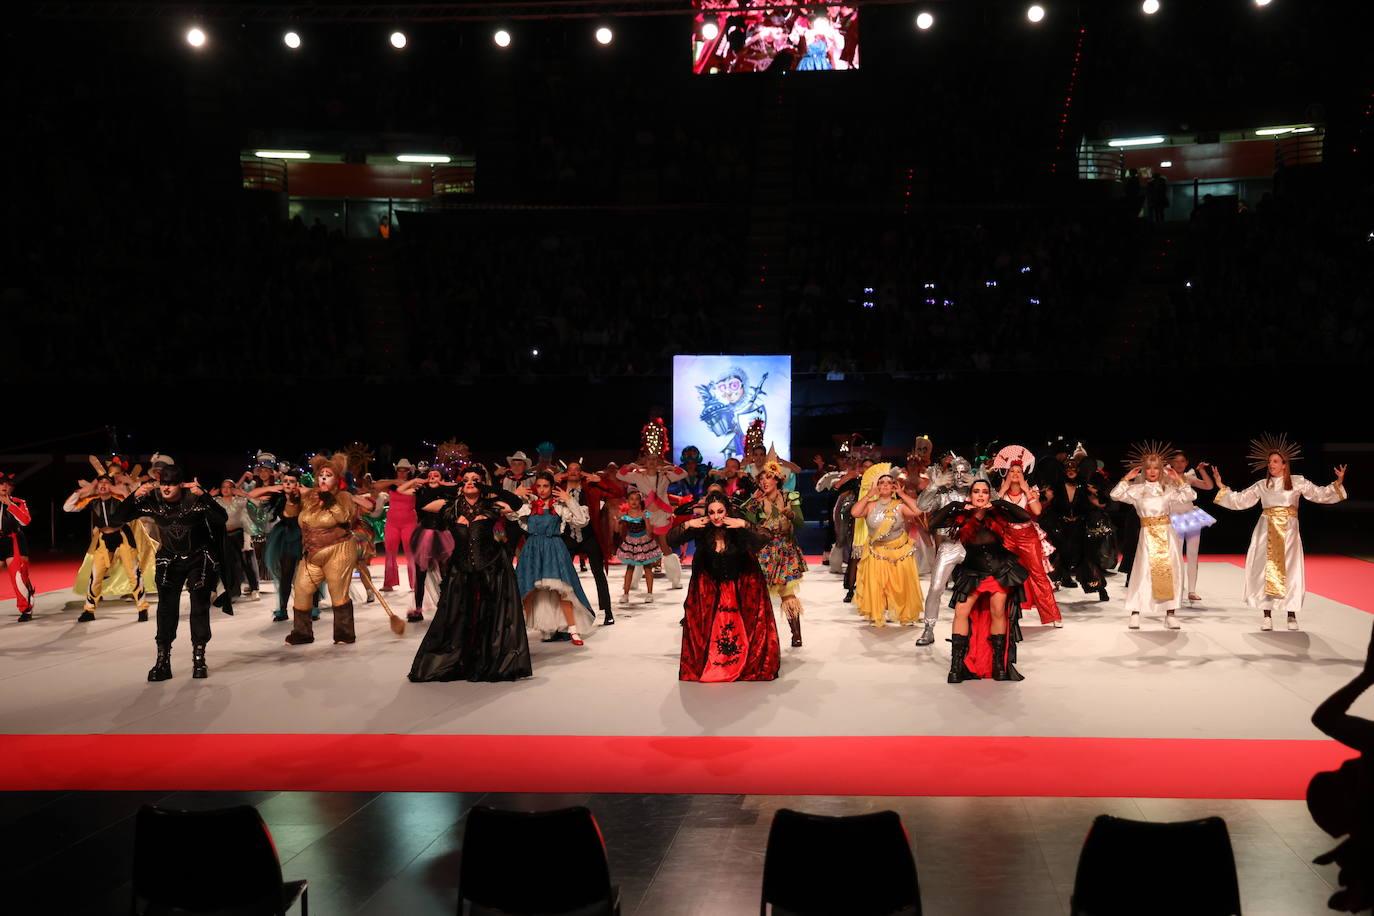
[{"x": 1270, "y": 444}]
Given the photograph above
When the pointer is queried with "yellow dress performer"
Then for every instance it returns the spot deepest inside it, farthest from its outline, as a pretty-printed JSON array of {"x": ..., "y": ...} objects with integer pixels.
[
  {"x": 888, "y": 580},
  {"x": 326, "y": 515}
]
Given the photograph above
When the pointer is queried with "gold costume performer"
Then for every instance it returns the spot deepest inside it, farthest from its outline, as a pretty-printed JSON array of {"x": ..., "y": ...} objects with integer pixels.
[
  {"x": 330, "y": 552},
  {"x": 888, "y": 578}
]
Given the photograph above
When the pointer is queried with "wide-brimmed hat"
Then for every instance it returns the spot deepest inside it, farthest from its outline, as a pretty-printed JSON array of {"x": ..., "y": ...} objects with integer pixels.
[
  {"x": 518, "y": 456},
  {"x": 404, "y": 463}
]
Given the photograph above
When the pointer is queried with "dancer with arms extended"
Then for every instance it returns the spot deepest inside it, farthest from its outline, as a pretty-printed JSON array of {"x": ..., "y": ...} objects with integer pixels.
[{"x": 1275, "y": 576}]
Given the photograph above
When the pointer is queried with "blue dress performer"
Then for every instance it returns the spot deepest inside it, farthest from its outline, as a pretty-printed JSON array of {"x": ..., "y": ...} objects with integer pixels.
[{"x": 549, "y": 587}]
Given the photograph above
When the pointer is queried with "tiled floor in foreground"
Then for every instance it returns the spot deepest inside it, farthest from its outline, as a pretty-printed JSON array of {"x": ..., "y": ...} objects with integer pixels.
[{"x": 672, "y": 855}]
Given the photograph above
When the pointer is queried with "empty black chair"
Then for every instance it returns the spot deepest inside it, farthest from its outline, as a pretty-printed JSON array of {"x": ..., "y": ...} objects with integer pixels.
[
  {"x": 211, "y": 862},
  {"x": 1118, "y": 871},
  {"x": 859, "y": 865},
  {"x": 535, "y": 862}
]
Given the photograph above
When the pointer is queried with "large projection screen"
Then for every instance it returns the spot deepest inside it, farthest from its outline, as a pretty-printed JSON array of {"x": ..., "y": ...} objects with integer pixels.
[{"x": 715, "y": 398}]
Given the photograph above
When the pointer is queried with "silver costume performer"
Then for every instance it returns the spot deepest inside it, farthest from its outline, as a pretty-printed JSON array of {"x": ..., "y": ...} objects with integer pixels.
[{"x": 946, "y": 486}]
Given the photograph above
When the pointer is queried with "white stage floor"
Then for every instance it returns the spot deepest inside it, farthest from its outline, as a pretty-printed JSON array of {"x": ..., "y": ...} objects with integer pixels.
[{"x": 1218, "y": 677}]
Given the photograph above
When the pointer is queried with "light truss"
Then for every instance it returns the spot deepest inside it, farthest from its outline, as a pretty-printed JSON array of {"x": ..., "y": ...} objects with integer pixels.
[{"x": 476, "y": 11}]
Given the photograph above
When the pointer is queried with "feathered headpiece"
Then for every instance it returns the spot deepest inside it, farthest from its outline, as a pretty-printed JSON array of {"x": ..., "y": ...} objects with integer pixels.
[
  {"x": 772, "y": 466},
  {"x": 338, "y": 463},
  {"x": 1269, "y": 444},
  {"x": 872, "y": 475},
  {"x": 1149, "y": 450},
  {"x": 753, "y": 436},
  {"x": 653, "y": 438},
  {"x": 452, "y": 458}
]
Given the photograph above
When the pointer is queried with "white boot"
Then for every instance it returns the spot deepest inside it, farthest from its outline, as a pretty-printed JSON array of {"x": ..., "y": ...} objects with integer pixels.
[
  {"x": 1135, "y": 621},
  {"x": 1292, "y": 621},
  {"x": 672, "y": 568},
  {"x": 1171, "y": 621},
  {"x": 1267, "y": 622}
]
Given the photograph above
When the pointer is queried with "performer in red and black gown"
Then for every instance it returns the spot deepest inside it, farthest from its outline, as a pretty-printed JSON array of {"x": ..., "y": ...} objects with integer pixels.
[
  {"x": 987, "y": 586},
  {"x": 729, "y": 633},
  {"x": 14, "y": 546}
]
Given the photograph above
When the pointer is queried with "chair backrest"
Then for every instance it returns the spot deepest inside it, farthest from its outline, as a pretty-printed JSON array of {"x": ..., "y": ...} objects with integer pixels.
[
  {"x": 855, "y": 865},
  {"x": 533, "y": 861},
  {"x": 204, "y": 861},
  {"x": 1118, "y": 873}
]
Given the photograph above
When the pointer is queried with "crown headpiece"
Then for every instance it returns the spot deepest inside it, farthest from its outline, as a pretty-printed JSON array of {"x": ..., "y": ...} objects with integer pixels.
[
  {"x": 1270, "y": 444},
  {"x": 1148, "y": 450}
]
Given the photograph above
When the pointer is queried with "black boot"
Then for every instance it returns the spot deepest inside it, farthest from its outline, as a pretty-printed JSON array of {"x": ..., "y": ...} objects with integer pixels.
[
  {"x": 1102, "y": 593},
  {"x": 794, "y": 624},
  {"x": 162, "y": 668},
  {"x": 610, "y": 618},
  {"x": 848, "y": 596},
  {"x": 958, "y": 650},
  {"x": 198, "y": 668},
  {"x": 1002, "y": 668}
]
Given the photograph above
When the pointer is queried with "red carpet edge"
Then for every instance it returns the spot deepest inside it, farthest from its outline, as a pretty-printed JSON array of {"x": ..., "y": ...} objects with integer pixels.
[{"x": 917, "y": 765}]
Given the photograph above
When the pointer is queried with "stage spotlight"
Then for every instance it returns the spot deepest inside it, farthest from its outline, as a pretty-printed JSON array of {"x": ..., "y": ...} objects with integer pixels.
[
  {"x": 924, "y": 21},
  {"x": 1035, "y": 13},
  {"x": 502, "y": 38},
  {"x": 398, "y": 40},
  {"x": 709, "y": 31},
  {"x": 292, "y": 39},
  {"x": 431, "y": 158},
  {"x": 282, "y": 154},
  {"x": 1150, "y": 7},
  {"x": 195, "y": 38},
  {"x": 1262, "y": 2},
  {"x": 1167, "y": 164},
  {"x": 604, "y": 36}
]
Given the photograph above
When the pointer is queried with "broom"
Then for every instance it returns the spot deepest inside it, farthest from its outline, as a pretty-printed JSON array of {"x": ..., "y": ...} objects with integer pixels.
[{"x": 398, "y": 624}]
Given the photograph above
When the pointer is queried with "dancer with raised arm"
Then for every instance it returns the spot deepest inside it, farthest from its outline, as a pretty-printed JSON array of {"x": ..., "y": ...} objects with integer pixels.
[
  {"x": 14, "y": 546},
  {"x": 116, "y": 552},
  {"x": 888, "y": 579},
  {"x": 1189, "y": 523},
  {"x": 950, "y": 484},
  {"x": 1157, "y": 571},
  {"x": 1030, "y": 543},
  {"x": 1274, "y": 567},
  {"x": 326, "y": 513},
  {"x": 549, "y": 587}
]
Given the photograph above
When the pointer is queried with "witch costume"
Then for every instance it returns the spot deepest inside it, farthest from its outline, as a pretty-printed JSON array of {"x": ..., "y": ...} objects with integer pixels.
[{"x": 478, "y": 630}]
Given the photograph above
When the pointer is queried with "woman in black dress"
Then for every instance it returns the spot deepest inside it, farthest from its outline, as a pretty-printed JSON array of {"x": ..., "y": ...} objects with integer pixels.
[{"x": 478, "y": 630}]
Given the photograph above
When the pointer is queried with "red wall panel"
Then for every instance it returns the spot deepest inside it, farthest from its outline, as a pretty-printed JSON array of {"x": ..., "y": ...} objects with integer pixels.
[
  {"x": 338, "y": 179},
  {"x": 1242, "y": 159}
]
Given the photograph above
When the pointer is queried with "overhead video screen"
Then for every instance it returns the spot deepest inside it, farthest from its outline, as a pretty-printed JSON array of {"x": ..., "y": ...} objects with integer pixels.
[
  {"x": 750, "y": 37},
  {"x": 717, "y": 398}
]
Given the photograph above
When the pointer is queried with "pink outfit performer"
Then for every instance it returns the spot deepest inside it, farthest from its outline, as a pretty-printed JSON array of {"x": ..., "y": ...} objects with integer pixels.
[{"x": 401, "y": 523}]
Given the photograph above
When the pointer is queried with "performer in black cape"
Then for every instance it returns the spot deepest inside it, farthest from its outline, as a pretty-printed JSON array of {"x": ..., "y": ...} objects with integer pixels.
[{"x": 478, "y": 630}]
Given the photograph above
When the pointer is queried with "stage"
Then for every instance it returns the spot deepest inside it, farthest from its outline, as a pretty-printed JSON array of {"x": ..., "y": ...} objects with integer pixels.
[{"x": 1217, "y": 710}]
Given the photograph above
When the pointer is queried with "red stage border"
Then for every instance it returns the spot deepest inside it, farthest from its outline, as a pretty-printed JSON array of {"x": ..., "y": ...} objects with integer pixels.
[{"x": 924, "y": 765}]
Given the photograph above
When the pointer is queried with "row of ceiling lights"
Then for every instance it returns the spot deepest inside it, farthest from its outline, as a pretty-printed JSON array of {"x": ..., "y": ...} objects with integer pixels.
[{"x": 197, "y": 37}]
